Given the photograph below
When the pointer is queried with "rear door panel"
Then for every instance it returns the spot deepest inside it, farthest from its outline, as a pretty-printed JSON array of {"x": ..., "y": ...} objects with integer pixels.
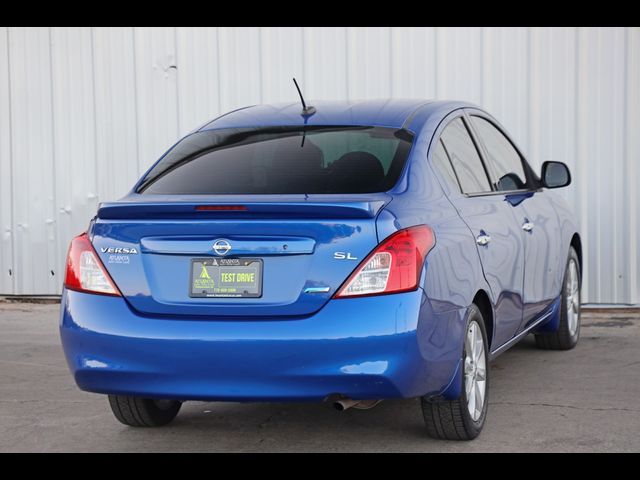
[{"x": 502, "y": 258}]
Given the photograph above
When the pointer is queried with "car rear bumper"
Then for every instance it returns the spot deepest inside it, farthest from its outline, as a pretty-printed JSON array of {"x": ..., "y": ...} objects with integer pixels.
[{"x": 364, "y": 348}]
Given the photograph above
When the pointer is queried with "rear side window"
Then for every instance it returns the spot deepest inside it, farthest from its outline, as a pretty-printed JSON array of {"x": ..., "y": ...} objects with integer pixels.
[
  {"x": 504, "y": 158},
  {"x": 465, "y": 158},
  {"x": 282, "y": 160},
  {"x": 442, "y": 164}
]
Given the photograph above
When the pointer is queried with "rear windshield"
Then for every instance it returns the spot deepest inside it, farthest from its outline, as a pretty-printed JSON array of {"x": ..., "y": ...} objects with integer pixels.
[{"x": 282, "y": 160}]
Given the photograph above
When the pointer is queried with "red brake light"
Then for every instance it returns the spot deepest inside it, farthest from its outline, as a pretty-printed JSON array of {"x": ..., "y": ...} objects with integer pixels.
[
  {"x": 393, "y": 267},
  {"x": 85, "y": 272}
]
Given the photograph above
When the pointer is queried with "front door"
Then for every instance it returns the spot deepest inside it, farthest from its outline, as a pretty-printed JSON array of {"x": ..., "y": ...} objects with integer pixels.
[{"x": 541, "y": 228}]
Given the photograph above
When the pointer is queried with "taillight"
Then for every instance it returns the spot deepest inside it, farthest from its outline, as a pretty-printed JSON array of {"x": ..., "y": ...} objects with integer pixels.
[
  {"x": 393, "y": 267},
  {"x": 85, "y": 271}
]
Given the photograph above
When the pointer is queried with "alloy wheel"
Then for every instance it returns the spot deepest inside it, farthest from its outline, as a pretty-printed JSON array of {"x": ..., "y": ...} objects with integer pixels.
[
  {"x": 475, "y": 371},
  {"x": 573, "y": 297}
]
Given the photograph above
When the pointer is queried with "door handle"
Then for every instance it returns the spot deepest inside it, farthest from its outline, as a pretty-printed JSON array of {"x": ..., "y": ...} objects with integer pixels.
[
  {"x": 527, "y": 226},
  {"x": 483, "y": 239}
]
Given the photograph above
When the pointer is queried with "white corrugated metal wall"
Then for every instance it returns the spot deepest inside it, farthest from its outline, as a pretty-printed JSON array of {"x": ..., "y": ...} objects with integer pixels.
[{"x": 84, "y": 111}]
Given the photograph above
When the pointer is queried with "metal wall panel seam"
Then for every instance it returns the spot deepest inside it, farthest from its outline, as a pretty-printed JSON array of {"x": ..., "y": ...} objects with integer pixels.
[
  {"x": 346, "y": 61},
  {"x": 178, "y": 69},
  {"x": 303, "y": 50},
  {"x": 135, "y": 102},
  {"x": 95, "y": 114},
  {"x": 632, "y": 115},
  {"x": 219, "y": 82},
  {"x": 53, "y": 162}
]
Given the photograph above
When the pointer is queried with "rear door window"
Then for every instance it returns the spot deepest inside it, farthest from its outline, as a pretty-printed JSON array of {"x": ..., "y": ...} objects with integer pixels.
[
  {"x": 282, "y": 160},
  {"x": 504, "y": 158},
  {"x": 465, "y": 158}
]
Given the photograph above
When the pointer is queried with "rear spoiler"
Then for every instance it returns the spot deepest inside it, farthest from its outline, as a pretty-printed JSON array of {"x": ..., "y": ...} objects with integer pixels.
[{"x": 238, "y": 210}]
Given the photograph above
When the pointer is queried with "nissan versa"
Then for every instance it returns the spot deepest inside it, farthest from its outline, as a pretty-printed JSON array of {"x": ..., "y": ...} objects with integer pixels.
[{"x": 346, "y": 253}]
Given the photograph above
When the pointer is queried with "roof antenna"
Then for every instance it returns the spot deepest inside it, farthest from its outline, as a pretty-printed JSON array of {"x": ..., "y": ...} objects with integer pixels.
[{"x": 306, "y": 111}]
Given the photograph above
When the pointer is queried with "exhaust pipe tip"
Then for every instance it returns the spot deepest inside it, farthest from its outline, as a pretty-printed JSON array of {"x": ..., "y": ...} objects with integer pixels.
[
  {"x": 344, "y": 404},
  {"x": 366, "y": 404}
]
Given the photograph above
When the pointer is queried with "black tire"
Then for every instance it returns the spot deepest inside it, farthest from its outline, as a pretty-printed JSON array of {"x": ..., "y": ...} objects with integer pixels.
[
  {"x": 143, "y": 412},
  {"x": 451, "y": 419},
  {"x": 564, "y": 338}
]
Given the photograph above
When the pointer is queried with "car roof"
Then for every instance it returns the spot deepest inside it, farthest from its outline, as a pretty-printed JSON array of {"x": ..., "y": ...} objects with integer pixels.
[{"x": 395, "y": 113}]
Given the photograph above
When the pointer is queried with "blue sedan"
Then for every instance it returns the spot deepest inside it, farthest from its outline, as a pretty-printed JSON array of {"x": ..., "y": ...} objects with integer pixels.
[{"x": 347, "y": 253}]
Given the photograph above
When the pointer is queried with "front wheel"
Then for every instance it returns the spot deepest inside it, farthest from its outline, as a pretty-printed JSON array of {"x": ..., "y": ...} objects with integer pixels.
[
  {"x": 568, "y": 333},
  {"x": 463, "y": 419},
  {"x": 143, "y": 412}
]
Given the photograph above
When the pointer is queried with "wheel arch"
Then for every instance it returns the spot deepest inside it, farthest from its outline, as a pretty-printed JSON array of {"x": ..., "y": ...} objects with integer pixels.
[
  {"x": 576, "y": 243},
  {"x": 483, "y": 302}
]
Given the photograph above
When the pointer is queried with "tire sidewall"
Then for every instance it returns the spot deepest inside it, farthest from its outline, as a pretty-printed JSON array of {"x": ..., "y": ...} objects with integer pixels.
[{"x": 161, "y": 416}]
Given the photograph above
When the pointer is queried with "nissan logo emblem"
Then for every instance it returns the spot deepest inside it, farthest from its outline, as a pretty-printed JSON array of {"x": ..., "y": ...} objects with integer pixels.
[{"x": 221, "y": 247}]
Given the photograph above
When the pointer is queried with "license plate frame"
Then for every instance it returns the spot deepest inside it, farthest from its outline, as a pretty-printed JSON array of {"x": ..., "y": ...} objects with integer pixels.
[{"x": 215, "y": 268}]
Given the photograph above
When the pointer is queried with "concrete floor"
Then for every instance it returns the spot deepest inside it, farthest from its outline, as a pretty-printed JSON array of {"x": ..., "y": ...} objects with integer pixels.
[{"x": 582, "y": 400}]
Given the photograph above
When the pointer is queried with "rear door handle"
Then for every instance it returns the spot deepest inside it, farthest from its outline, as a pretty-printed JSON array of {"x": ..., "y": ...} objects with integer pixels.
[
  {"x": 527, "y": 226},
  {"x": 483, "y": 239}
]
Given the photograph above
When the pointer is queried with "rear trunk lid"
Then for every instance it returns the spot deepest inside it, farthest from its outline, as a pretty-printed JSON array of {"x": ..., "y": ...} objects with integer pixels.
[{"x": 306, "y": 245}]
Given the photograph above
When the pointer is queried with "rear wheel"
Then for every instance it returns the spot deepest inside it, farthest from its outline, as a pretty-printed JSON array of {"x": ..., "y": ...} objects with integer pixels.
[
  {"x": 568, "y": 333},
  {"x": 463, "y": 419},
  {"x": 143, "y": 412}
]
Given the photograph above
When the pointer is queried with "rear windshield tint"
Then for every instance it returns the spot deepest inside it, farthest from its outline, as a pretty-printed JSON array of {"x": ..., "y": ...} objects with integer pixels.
[{"x": 282, "y": 160}]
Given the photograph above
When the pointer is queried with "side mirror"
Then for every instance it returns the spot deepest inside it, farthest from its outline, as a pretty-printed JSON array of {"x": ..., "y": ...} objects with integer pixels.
[{"x": 555, "y": 175}]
